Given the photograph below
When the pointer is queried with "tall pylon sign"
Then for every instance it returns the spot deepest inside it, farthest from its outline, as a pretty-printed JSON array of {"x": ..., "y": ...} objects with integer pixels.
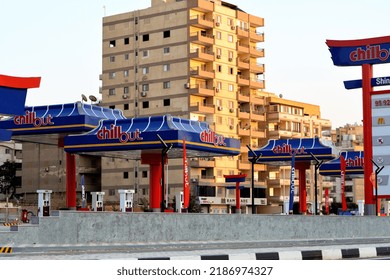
[{"x": 376, "y": 108}]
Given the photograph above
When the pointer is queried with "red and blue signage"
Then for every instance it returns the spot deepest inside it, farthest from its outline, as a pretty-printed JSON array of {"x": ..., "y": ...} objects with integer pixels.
[
  {"x": 359, "y": 52},
  {"x": 354, "y": 165},
  {"x": 375, "y": 82}
]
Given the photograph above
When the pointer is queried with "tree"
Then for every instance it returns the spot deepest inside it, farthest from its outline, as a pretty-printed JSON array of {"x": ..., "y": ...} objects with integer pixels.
[{"x": 8, "y": 179}]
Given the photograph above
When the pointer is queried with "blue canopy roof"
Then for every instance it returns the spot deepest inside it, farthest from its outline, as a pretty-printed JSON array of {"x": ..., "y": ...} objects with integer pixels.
[
  {"x": 354, "y": 161},
  {"x": 45, "y": 124},
  {"x": 127, "y": 137},
  {"x": 280, "y": 151}
]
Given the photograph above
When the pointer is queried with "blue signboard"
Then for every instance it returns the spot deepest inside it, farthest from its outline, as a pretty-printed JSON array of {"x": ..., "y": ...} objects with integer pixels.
[
  {"x": 359, "y": 52},
  {"x": 375, "y": 82}
]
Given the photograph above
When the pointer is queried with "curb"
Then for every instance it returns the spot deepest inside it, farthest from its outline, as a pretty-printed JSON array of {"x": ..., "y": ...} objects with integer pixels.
[
  {"x": 5, "y": 250},
  {"x": 326, "y": 254}
]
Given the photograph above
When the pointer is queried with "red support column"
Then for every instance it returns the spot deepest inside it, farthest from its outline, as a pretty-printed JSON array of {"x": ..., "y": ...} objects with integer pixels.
[
  {"x": 367, "y": 136},
  {"x": 154, "y": 161},
  {"x": 70, "y": 181},
  {"x": 301, "y": 167},
  {"x": 238, "y": 198}
]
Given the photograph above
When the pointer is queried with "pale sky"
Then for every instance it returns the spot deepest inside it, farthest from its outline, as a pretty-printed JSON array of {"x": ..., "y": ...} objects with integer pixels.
[{"x": 61, "y": 42}]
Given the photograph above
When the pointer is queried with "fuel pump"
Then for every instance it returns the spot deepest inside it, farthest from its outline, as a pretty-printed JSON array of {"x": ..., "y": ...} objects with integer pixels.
[
  {"x": 44, "y": 202},
  {"x": 126, "y": 200},
  {"x": 97, "y": 201},
  {"x": 179, "y": 198}
]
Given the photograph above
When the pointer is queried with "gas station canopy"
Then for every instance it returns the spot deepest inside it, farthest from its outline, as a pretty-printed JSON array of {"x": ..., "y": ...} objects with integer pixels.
[
  {"x": 49, "y": 123},
  {"x": 354, "y": 162},
  {"x": 126, "y": 138},
  {"x": 280, "y": 151}
]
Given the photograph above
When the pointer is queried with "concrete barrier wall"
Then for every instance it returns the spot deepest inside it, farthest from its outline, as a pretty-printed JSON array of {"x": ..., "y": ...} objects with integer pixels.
[{"x": 72, "y": 227}]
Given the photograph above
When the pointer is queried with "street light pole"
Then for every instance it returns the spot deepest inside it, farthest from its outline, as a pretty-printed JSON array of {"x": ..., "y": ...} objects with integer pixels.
[
  {"x": 377, "y": 171},
  {"x": 253, "y": 161},
  {"x": 316, "y": 166},
  {"x": 164, "y": 153}
]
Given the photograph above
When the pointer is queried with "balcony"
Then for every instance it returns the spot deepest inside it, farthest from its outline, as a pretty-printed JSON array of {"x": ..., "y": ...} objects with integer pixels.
[
  {"x": 201, "y": 5},
  {"x": 198, "y": 72},
  {"x": 243, "y": 115},
  {"x": 257, "y": 100},
  {"x": 257, "y": 83},
  {"x": 256, "y": 37},
  {"x": 257, "y": 116},
  {"x": 257, "y": 68},
  {"x": 201, "y": 38},
  {"x": 242, "y": 80},
  {"x": 256, "y": 52},
  {"x": 244, "y": 165},
  {"x": 202, "y": 162},
  {"x": 257, "y": 133},
  {"x": 202, "y": 108},
  {"x": 201, "y": 90},
  {"x": 243, "y": 131},
  {"x": 242, "y": 48},
  {"x": 242, "y": 32},
  {"x": 201, "y": 55},
  {"x": 242, "y": 63},
  {"x": 201, "y": 22},
  {"x": 243, "y": 97},
  {"x": 255, "y": 21}
]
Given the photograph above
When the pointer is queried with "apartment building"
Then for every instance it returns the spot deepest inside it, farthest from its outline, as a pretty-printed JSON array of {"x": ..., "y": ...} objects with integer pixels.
[
  {"x": 288, "y": 119},
  {"x": 196, "y": 59}
]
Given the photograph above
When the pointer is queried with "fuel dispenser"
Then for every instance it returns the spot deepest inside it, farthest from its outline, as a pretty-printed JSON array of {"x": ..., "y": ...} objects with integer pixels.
[
  {"x": 97, "y": 201},
  {"x": 360, "y": 207},
  {"x": 179, "y": 198},
  {"x": 44, "y": 202},
  {"x": 126, "y": 200}
]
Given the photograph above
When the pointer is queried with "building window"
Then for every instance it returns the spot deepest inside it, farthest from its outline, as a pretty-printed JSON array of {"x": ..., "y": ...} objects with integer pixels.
[
  {"x": 166, "y": 50},
  {"x": 145, "y": 37},
  {"x": 219, "y": 52},
  {"x": 167, "y": 84},
  {"x": 219, "y": 120},
  {"x": 126, "y": 107},
  {"x": 145, "y": 104},
  {"x": 125, "y": 175},
  {"x": 230, "y": 22},
  {"x": 167, "y": 102},
  {"x": 111, "y": 75},
  {"x": 112, "y": 58},
  {"x": 125, "y": 73},
  {"x": 219, "y": 68},
  {"x": 126, "y": 90},
  {"x": 111, "y": 91},
  {"x": 112, "y": 43},
  {"x": 111, "y": 192},
  {"x": 219, "y": 35},
  {"x": 126, "y": 56},
  {"x": 144, "y": 174},
  {"x": 166, "y": 67},
  {"x": 126, "y": 41},
  {"x": 145, "y": 87},
  {"x": 167, "y": 34},
  {"x": 145, "y": 53},
  {"x": 231, "y": 87},
  {"x": 219, "y": 85},
  {"x": 111, "y": 107},
  {"x": 145, "y": 70},
  {"x": 230, "y": 38},
  {"x": 231, "y": 70}
]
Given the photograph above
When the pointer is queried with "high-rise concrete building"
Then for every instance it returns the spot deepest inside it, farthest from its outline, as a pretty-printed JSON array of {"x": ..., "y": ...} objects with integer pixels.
[{"x": 196, "y": 59}]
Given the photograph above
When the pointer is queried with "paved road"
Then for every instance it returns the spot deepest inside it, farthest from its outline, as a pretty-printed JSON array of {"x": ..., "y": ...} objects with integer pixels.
[{"x": 293, "y": 249}]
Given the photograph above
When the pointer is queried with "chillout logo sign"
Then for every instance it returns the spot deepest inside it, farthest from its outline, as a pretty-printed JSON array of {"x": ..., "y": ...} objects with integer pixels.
[
  {"x": 369, "y": 53},
  {"x": 31, "y": 118},
  {"x": 209, "y": 136},
  {"x": 115, "y": 132},
  {"x": 355, "y": 162},
  {"x": 288, "y": 149}
]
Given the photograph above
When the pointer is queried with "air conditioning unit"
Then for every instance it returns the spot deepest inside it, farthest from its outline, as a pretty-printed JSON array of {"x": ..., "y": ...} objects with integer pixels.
[
  {"x": 230, "y": 59},
  {"x": 125, "y": 96},
  {"x": 231, "y": 126},
  {"x": 231, "y": 110},
  {"x": 216, "y": 89},
  {"x": 194, "y": 180},
  {"x": 217, "y": 23},
  {"x": 218, "y": 56},
  {"x": 187, "y": 85},
  {"x": 144, "y": 94},
  {"x": 100, "y": 90},
  {"x": 233, "y": 27},
  {"x": 220, "y": 108}
]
